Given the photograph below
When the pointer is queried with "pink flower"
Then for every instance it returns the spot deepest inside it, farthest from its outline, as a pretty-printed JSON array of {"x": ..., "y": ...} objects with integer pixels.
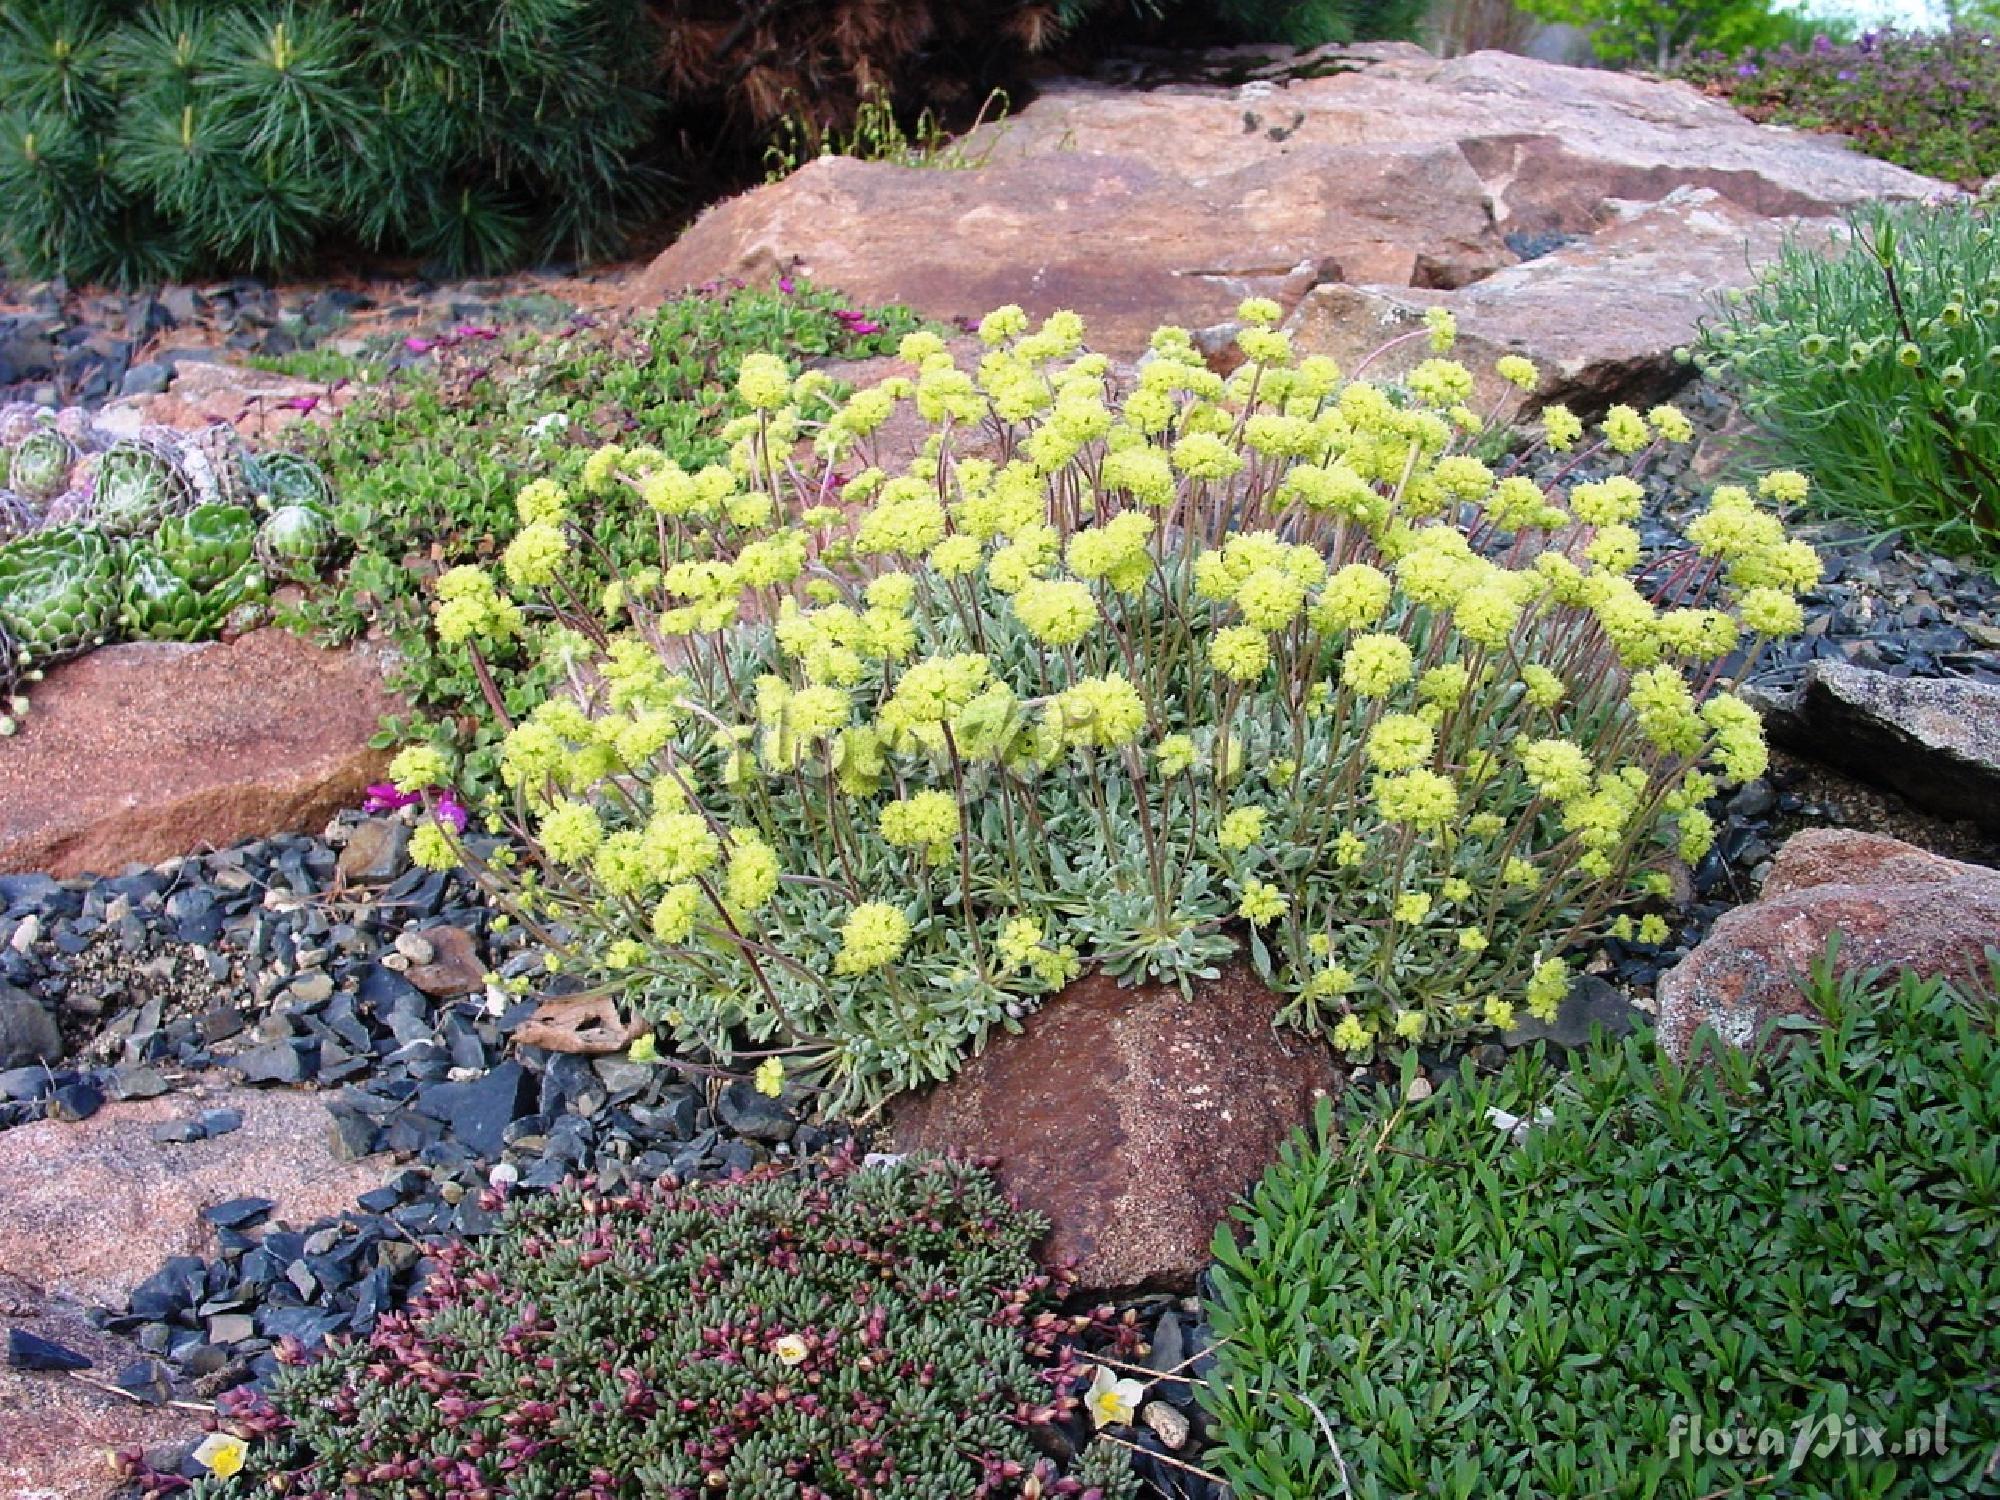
[
  {"x": 451, "y": 812},
  {"x": 418, "y": 345},
  {"x": 383, "y": 797},
  {"x": 298, "y": 403},
  {"x": 785, "y": 285}
]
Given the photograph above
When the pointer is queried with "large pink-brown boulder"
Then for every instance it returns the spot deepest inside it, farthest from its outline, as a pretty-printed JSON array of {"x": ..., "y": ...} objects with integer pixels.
[
  {"x": 1602, "y": 318},
  {"x": 1893, "y": 905},
  {"x": 1131, "y": 1118},
  {"x": 1138, "y": 207},
  {"x": 90, "y": 1209},
  {"x": 153, "y": 750},
  {"x": 1127, "y": 241}
]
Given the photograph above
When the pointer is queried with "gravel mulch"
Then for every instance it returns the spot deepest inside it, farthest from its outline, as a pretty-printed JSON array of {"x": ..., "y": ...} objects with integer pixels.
[{"x": 262, "y": 962}]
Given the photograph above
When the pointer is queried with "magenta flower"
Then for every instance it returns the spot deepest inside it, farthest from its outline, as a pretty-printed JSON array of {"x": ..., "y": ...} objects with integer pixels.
[
  {"x": 383, "y": 797},
  {"x": 418, "y": 345},
  {"x": 785, "y": 285}
]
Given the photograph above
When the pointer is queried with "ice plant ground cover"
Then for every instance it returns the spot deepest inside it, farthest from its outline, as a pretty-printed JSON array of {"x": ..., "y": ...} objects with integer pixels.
[
  {"x": 1113, "y": 674},
  {"x": 865, "y": 1333}
]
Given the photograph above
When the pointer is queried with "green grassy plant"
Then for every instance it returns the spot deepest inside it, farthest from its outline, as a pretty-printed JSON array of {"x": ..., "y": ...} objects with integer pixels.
[
  {"x": 1878, "y": 366},
  {"x": 1413, "y": 1305},
  {"x": 877, "y": 135}
]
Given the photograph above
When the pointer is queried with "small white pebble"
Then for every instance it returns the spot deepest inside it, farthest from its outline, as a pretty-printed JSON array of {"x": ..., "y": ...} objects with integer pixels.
[
  {"x": 1171, "y": 1426},
  {"x": 1420, "y": 1088},
  {"x": 415, "y": 947},
  {"x": 504, "y": 1174}
]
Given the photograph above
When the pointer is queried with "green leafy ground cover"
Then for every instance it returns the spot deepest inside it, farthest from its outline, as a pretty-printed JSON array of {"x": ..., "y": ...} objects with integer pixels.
[
  {"x": 426, "y": 464},
  {"x": 1411, "y": 1304}
]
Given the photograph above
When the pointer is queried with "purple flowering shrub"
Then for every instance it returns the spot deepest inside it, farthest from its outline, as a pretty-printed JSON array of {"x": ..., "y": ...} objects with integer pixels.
[
  {"x": 877, "y": 1333},
  {"x": 1929, "y": 102}
]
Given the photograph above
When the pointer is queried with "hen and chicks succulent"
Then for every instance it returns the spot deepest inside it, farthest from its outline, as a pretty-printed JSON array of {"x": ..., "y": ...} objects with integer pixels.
[{"x": 152, "y": 537}]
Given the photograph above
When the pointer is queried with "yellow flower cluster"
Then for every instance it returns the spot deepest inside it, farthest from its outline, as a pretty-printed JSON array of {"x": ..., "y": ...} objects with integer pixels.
[{"x": 1166, "y": 656}]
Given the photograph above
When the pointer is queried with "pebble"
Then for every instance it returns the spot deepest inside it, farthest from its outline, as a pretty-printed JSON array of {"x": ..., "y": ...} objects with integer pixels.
[
  {"x": 148, "y": 1380},
  {"x": 315, "y": 988},
  {"x": 1169, "y": 1424},
  {"x": 28, "y": 1351},
  {"x": 75, "y": 1102}
]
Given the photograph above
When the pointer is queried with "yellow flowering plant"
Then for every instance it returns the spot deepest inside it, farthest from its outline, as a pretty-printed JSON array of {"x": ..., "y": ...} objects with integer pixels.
[{"x": 1124, "y": 670}]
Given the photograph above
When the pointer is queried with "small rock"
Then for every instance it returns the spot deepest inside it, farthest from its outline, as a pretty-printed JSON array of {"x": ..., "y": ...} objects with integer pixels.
[
  {"x": 28, "y": 1351},
  {"x": 231, "y": 1328},
  {"x": 202, "y": 1359},
  {"x": 216, "y": 1122},
  {"x": 756, "y": 1116},
  {"x": 24, "y": 1085},
  {"x": 148, "y": 379},
  {"x": 178, "y": 1132},
  {"x": 147, "y": 1379},
  {"x": 622, "y": 1078},
  {"x": 315, "y": 988},
  {"x": 415, "y": 947},
  {"x": 376, "y": 851},
  {"x": 140, "y": 1083},
  {"x": 274, "y": 1062},
  {"x": 75, "y": 1102},
  {"x": 1171, "y": 1426},
  {"x": 238, "y": 1213},
  {"x": 353, "y": 1135},
  {"x": 480, "y": 1111},
  {"x": 1591, "y": 1002},
  {"x": 456, "y": 968},
  {"x": 1756, "y": 799},
  {"x": 28, "y": 1033}
]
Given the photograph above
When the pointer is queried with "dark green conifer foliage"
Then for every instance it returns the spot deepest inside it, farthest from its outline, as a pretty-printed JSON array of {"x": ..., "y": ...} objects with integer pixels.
[{"x": 144, "y": 139}]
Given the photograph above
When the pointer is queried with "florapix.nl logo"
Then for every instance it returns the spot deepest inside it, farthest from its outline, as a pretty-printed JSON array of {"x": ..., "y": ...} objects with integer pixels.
[{"x": 1828, "y": 1435}]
